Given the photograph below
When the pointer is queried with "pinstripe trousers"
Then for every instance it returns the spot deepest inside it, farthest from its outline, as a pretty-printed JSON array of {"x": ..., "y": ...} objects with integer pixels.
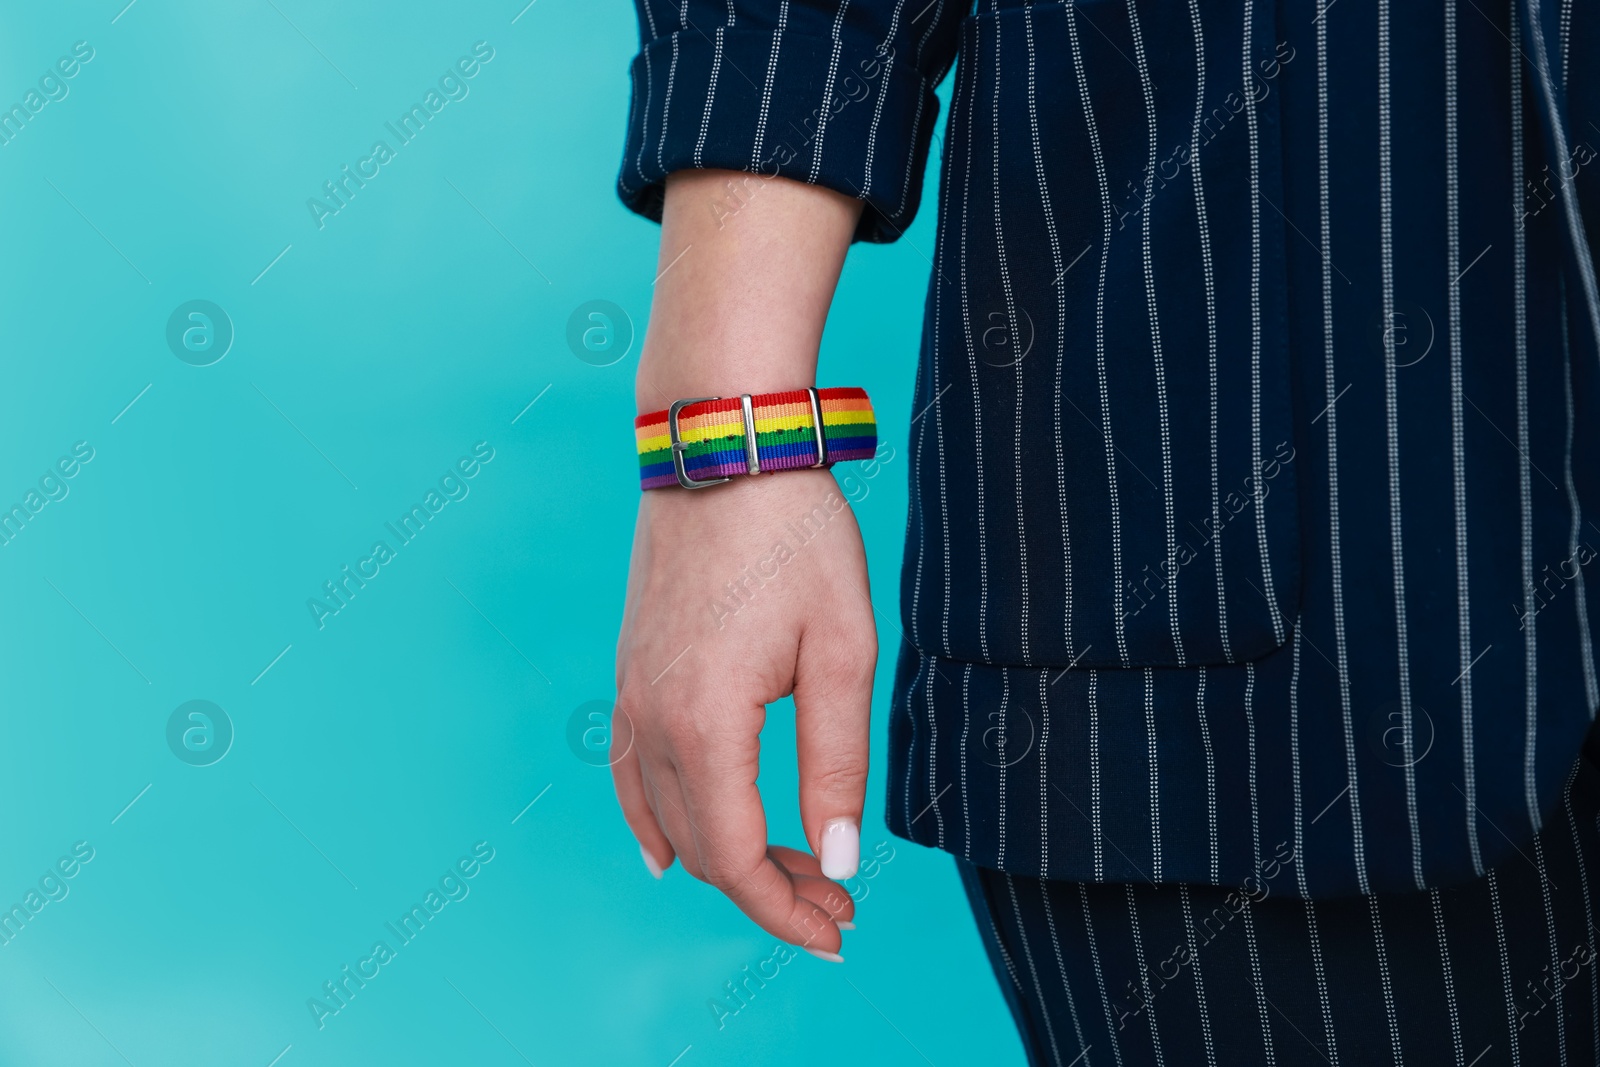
[{"x": 1501, "y": 970}]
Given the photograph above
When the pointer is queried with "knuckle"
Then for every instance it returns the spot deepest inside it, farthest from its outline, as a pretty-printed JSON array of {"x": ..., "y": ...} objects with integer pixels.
[
  {"x": 697, "y": 730},
  {"x": 850, "y": 659},
  {"x": 682, "y": 732},
  {"x": 845, "y": 774},
  {"x": 649, "y": 715},
  {"x": 859, "y": 631},
  {"x": 863, "y": 637},
  {"x": 631, "y": 701},
  {"x": 733, "y": 877},
  {"x": 691, "y": 864},
  {"x": 855, "y": 663}
]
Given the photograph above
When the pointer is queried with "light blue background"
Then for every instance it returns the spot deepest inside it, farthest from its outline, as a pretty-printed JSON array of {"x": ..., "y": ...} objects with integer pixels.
[{"x": 422, "y": 718}]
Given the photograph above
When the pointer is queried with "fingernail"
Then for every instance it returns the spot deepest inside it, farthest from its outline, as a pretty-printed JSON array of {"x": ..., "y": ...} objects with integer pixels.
[
  {"x": 841, "y": 849},
  {"x": 845, "y": 925},
  {"x": 831, "y": 957},
  {"x": 650, "y": 862}
]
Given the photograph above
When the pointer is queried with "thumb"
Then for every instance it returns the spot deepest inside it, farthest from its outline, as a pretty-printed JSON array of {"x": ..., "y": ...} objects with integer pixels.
[{"x": 833, "y": 720}]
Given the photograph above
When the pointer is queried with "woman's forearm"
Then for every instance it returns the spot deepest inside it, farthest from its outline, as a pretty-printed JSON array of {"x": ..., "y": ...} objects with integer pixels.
[{"x": 747, "y": 270}]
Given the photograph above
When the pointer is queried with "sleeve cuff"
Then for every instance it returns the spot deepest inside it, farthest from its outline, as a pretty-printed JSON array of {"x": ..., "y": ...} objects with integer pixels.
[{"x": 848, "y": 114}]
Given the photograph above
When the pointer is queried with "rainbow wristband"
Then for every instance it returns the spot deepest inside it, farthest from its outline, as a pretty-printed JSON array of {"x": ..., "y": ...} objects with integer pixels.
[{"x": 705, "y": 441}]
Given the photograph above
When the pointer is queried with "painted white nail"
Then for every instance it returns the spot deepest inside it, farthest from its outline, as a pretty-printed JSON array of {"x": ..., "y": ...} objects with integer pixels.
[
  {"x": 650, "y": 862},
  {"x": 831, "y": 957},
  {"x": 841, "y": 849},
  {"x": 843, "y": 925}
]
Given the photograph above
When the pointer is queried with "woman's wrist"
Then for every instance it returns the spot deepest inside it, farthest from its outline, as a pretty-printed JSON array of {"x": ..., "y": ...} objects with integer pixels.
[{"x": 741, "y": 297}]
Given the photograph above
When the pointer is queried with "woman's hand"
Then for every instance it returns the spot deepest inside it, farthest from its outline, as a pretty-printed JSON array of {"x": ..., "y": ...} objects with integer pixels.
[
  {"x": 743, "y": 593},
  {"x": 738, "y": 596}
]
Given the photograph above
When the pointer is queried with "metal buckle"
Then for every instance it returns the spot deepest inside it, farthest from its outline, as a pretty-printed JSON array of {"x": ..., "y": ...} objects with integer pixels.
[
  {"x": 678, "y": 445},
  {"x": 752, "y": 459}
]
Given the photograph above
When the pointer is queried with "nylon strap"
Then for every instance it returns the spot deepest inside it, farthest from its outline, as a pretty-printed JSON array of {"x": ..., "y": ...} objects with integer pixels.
[{"x": 713, "y": 433}]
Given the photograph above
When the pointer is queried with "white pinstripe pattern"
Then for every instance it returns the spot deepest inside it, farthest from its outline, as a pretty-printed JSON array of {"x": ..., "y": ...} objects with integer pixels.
[
  {"x": 1457, "y": 436},
  {"x": 1391, "y": 399},
  {"x": 999, "y": 943},
  {"x": 1144, "y": 976},
  {"x": 1340, "y": 648},
  {"x": 650, "y": 19},
  {"x": 966, "y": 727},
  {"x": 1005, "y": 702},
  {"x": 1061, "y": 339},
  {"x": 972, "y": 372},
  {"x": 916, "y": 122},
  {"x": 649, "y": 89},
  {"x": 1094, "y": 780},
  {"x": 923, "y": 662},
  {"x": 1044, "y": 774},
  {"x": 1555, "y": 951},
  {"x": 1155, "y": 774},
  {"x": 1061, "y": 967},
  {"x": 1250, "y": 736},
  {"x": 1011, "y": 320},
  {"x": 1512, "y": 1028},
  {"x": 1094, "y": 955},
  {"x": 1157, "y": 356},
  {"x": 1211, "y": 318},
  {"x": 922, "y": 42},
  {"x": 1261, "y": 994},
  {"x": 627, "y": 189},
  {"x": 1449, "y": 978},
  {"x": 911, "y": 156},
  {"x": 1566, "y": 38},
  {"x": 933, "y": 752},
  {"x": 1255, "y": 842},
  {"x": 1294, "y": 756},
  {"x": 1591, "y": 690},
  {"x": 827, "y": 92},
  {"x": 936, "y": 416},
  {"x": 1388, "y": 986},
  {"x": 1317, "y": 964},
  {"x": 1519, "y": 273},
  {"x": 711, "y": 87},
  {"x": 766, "y": 91},
  {"x": 944, "y": 491},
  {"x": 1199, "y": 981},
  {"x": 918, "y": 505},
  {"x": 1322, "y": 982},
  {"x": 1033, "y": 972},
  {"x": 1588, "y": 908},
  {"x": 672, "y": 77},
  {"x": 1211, "y": 776},
  {"x": 1255, "y": 329},
  {"x": 1100, "y": 325},
  {"x": 877, "y": 109}
]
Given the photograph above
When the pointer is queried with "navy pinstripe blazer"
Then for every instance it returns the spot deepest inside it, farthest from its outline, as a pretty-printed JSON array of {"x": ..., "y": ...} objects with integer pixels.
[{"x": 1258, "y": 395}]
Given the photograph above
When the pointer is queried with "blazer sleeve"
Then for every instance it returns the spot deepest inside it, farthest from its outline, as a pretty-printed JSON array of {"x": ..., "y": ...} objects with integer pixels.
[{"x": 838, "y": 93}]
